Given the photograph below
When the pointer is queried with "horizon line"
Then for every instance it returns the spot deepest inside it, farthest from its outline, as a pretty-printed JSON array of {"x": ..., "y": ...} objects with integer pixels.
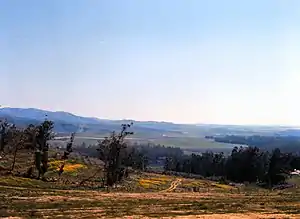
[{"x": 157, "y": 121}]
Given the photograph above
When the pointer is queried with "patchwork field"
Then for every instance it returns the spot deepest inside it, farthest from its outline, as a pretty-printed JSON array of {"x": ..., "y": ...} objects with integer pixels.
[{"x": 182, "y": 142}]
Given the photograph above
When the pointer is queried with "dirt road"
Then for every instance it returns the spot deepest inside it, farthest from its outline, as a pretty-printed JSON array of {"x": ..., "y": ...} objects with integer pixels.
[{"x": 173, "y": 186}]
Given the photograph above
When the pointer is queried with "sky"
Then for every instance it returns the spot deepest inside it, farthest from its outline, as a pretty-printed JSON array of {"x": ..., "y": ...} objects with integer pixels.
[{"x": 191, "y": 61}]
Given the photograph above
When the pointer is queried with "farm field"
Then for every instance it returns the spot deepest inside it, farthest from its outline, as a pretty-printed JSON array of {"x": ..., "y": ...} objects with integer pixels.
[{"x": 182, "y": 142}]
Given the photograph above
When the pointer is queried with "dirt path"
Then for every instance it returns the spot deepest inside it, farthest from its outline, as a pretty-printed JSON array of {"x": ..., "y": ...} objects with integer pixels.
[{"x": 173, "y": 186}]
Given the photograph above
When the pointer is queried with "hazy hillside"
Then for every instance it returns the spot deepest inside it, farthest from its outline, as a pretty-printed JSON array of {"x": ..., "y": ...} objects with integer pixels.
[{"x": 67, "y": 122}]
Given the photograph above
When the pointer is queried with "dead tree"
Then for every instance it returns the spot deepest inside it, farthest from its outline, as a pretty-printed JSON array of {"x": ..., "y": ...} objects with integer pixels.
[
  {"x": 67, "y": 152},
  {"x": 109, "y": 150}
]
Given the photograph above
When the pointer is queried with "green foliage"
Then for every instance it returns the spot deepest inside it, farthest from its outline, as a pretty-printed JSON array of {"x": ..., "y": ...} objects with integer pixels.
[
  {"x": 44, "y": 134},
  {"x": 31, "y": 132},
  {"x": 4, "y": 126},
  {"x": 36, "y": 139},
  {"x": 245, "y": 164},
  {"x": 284, "y": 143},
  {"x": 135, "y": 158}
]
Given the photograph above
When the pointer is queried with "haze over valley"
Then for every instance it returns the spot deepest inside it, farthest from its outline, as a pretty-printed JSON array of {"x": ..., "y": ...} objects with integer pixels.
[
  {"x": 150, "y": 109},
  {"x": 191, "y": 137}
]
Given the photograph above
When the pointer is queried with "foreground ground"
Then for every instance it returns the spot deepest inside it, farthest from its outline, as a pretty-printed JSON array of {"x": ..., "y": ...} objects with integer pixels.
[
  {"x": 21, "y": 198},
  {"x": 142, "y": 195}
]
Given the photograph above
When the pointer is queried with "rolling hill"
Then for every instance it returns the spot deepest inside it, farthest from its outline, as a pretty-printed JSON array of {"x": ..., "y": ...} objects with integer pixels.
[{"x": 66, "y": 122}]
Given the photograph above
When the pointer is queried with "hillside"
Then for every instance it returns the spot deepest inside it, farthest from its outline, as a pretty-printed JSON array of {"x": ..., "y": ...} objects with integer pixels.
[
  {"x": 26, "y": 202},
  {"x": 191, "y": 137},
  {"x": 76, "y": 186},
  {"x": 142, "y": 195},
  {"x": 66, "y": 122}
]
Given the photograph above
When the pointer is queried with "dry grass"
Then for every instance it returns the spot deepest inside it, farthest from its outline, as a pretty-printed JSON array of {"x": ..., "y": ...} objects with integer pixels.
[
  {"x": 155, "y": 181},
  {"x": 69, "y": 167},
  {"x": 214, "y": 203},
  {"x": 140, "y": 196}
]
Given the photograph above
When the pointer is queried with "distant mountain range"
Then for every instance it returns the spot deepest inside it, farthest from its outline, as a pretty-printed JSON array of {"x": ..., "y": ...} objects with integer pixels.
[{"x": 66, "y": 123}]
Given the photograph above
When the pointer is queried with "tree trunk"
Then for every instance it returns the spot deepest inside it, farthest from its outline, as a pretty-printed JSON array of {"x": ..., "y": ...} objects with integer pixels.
[
  {"x": 14, "y": 160},
  {"x": 38, "y": 162},
  {"x": 2, "y": 143},
  {"x": 45, "y": 161}
]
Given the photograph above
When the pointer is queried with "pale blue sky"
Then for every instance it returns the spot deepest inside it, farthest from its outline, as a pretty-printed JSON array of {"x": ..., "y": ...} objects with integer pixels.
[{"x": 213, "y": 61}]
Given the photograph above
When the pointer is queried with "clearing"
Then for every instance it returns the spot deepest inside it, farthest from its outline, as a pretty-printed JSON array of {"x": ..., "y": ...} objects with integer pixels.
[
  {"x": 142, "y": 195},
  {"x": 160, "y": 196}
]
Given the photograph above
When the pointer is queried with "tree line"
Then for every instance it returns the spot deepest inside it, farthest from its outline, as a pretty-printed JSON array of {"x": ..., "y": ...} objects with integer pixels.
[
  {"x": 284, "y": 143},
  {"x": 35, "y": 139},
  {"x": 244, "y": 164},
  {"x": 135, "y": 153}
]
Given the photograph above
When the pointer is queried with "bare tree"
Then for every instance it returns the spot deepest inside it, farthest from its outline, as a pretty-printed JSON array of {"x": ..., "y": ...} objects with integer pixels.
[
  {"x": 109, "y": 151},
  {"x": 67, "y": 152},
  {"x": 44, "y": 134},
  {"x": 17, "y": 142}
]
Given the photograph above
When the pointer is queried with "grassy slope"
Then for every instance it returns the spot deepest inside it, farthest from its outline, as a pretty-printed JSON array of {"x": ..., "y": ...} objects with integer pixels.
[
  {"x": 139, "y": 195},
  {"x": 31, "y": 198}
]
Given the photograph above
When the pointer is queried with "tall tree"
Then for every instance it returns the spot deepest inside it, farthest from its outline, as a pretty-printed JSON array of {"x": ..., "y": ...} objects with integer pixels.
[
  {"x": 69, "y": 149},
  {"x": 278, "y": 166},
  {"x": 17, "y": 139},
  {"x": 109, "y": 152},
  {"x": 4, "y": 128},
  {"x": 44, "y": 134}
]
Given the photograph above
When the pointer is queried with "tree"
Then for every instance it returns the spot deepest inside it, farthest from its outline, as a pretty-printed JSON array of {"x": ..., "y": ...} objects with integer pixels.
[
  {"x": 172, "y": 163},
  {"x": 69, "y": 148},
  {"x": 134, "y": 157},
  {"x": 278, "y": 164},
  {"x": 67, "y": 152},
  {"x": 246, "y": 164},
  {"x": 44, "y": 134},
  {"x": 17, "y": 139},
  {"x": 109, "y": 152},
  {"x": 31, "y": 132},
  {"x": 4, "y": 128}
]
